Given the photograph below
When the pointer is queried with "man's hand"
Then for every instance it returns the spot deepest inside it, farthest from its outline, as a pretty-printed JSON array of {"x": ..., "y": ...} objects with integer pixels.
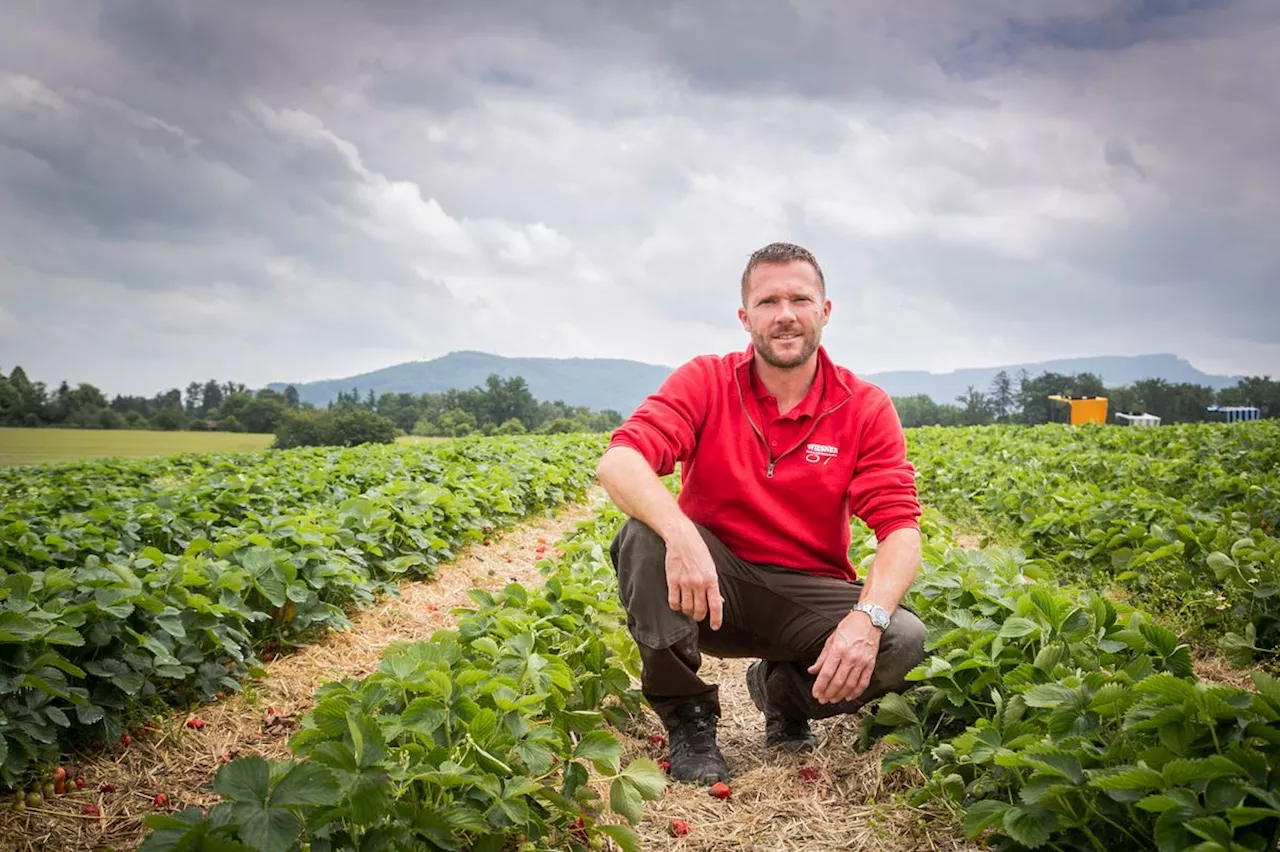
[
  {"x": 693, "y": 587},
  {"x": 847, "y": 661}
]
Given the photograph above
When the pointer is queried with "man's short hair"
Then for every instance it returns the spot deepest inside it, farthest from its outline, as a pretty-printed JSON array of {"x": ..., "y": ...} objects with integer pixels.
[{"x": 781, "y": 253}]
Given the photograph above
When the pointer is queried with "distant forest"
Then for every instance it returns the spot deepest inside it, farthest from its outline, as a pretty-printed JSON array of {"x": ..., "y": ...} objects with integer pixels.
[
  {"x": 505, "y": 406},
  {"x": 502, "y": 406},
  {"x": 1025, "y": 399}
]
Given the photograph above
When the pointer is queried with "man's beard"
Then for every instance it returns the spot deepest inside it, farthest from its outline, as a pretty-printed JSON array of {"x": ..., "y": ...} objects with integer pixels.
[{"x": 764, "y": 345}]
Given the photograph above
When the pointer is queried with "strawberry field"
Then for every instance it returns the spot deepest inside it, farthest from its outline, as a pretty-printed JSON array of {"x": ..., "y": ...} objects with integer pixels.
[
  {"x": 127, "y": 586},
  {"x": 1058, "y": 706},
  {"x": 1181, "y": 521}
]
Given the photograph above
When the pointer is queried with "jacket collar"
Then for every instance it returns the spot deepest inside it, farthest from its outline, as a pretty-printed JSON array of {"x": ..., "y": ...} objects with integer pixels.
[{"x": 834, "y": 388}]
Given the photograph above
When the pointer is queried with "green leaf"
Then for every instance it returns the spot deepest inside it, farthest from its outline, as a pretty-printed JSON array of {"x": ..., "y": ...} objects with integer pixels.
[
  {"x": 647, "y": 776},
  {"x": 1179, "y": 773},
  {"x": 1063, "y": 765},
  {"x": 602, "y": 749},
  {"x": 64, "y": 635},
  {"x": 367, "y": 741},
  {"x": 1172, "y": 689},
  {"x": 271, "y": 830},
  {"x": 982, "y": 815},
  {"x": 1242, "y": 816},
  {"x": 895, "y": 711},
  {"x": 624, "y": 836},
  {"x": 1134, "y": 779},
  {"x": 483, "y": 725},
  {"x": 424, "y": 716},
  {"x": 1268, "y": 688},
  {"x": 1017, "y": 626},
  {"x": 537, "y": 756},
  {"x": 307, "y": 784},
  {"x": 624, "y": 799},
  {"x": 87, "y": 714},
  {"x": 15, "y": 627},
  {"x": 129, "y": 684},
  {"x": 244, "y": 780},
  {"x": 1048, "y": 695},
  {"x": 1029, "y": 826}
]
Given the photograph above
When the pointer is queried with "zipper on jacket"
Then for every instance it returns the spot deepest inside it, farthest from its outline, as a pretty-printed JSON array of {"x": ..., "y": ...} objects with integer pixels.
[{"x": 774, "y": 461}]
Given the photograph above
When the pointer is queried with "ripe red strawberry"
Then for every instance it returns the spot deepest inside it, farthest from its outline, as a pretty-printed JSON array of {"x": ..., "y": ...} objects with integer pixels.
[
  {"x": 108, "y": 788},
  {"x": 79, "y": 783},
  {"x": 810, "y": 773},
  {"x": 195, "y": 723},
  {"x": 664, "y": 765},
  {"x": 127, "y": 740},
  {"x": 91, "y": 810},
  {"x": 658, "y": 740},
  {"x": 679, "y": 828},
  {"x": 161, "y": 800},
  {"x": 720, "y": 790}
]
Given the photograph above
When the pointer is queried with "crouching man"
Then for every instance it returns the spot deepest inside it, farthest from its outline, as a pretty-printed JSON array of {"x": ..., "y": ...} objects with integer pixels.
[{"x": 779, "y": 448}]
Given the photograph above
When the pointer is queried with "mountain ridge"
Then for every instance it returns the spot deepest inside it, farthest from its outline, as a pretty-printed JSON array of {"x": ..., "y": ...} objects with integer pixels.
[{"x": 622, "y": 384}]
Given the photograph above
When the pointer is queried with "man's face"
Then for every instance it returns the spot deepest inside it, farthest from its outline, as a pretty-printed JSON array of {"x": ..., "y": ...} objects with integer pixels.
[{"x": 785, "y": 312}]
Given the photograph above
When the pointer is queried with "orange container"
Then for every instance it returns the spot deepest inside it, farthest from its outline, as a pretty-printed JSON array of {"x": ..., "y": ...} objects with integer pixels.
[{"x": 1085, "y": 409}]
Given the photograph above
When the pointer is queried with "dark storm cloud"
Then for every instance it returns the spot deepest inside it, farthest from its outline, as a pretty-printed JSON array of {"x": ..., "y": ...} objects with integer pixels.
[{"x": 333, "y": 186}]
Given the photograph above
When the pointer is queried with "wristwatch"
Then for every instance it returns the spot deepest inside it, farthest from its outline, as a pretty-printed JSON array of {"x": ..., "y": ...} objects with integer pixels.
[{"x": 879, "y": 618}]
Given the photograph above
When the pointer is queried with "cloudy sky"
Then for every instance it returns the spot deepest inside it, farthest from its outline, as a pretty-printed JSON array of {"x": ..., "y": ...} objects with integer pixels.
[{"x": 287, "y": 191}]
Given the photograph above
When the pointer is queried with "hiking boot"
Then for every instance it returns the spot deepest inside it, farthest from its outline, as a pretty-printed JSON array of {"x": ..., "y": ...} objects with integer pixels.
[
  {"x": 789, "y": 734},
  {"x": 695, "y": 757}
]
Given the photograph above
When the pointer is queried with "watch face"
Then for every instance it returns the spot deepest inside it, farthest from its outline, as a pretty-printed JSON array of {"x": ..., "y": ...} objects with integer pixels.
[{"x": 879, "y": 618}]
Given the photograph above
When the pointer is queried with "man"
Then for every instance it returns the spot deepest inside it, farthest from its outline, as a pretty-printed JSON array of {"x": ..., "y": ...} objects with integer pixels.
[{"x": 779, "y": 447}]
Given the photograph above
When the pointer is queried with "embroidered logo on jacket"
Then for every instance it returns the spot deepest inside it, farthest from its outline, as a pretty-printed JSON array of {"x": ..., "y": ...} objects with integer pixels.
[{"x": 820, "y": 453}]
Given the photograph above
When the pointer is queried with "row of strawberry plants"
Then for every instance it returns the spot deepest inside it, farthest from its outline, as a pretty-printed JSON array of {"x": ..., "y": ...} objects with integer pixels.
[
  {"x": 1208, "y": 564},
  {"x": 122, "y": 592},
  {"x": 1052, "y": 718},
  {"x": 1233, "y": 470},
  {"x": 482, "y": 738}
]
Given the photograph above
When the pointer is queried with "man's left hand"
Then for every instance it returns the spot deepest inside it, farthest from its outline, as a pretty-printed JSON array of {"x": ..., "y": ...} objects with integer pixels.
[{"x": 847, "y": 660}]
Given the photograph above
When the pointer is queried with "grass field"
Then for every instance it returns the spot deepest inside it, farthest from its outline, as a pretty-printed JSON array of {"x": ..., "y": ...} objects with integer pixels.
[
  {"x": 46, "y": 446},
  {"x": 43, "y": 446}
]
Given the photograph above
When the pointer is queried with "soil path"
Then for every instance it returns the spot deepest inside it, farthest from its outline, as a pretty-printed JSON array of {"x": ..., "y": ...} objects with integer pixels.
[{"x": 833, "y": 800}]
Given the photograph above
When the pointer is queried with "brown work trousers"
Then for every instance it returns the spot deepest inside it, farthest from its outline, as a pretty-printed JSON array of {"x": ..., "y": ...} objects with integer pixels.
[{"x": 770, "y": 613}]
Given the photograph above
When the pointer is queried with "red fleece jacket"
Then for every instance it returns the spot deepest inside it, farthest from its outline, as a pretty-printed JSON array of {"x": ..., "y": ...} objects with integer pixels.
[{"x": 840, "y": 453}]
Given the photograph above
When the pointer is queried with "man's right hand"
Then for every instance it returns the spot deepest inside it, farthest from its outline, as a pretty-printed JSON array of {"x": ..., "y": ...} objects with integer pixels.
[{"x": 693, "y": 586}]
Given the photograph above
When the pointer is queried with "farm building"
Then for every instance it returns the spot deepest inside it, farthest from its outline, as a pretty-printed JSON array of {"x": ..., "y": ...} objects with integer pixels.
[
  {"x": 1142, "y": 420},
  {"x": 1084, "y": 409},
  {"x": 1236, "y": 413}
]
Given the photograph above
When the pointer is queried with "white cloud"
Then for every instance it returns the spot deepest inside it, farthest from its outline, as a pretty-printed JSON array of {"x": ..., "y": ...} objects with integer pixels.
[{"x": 319, "y": 201}]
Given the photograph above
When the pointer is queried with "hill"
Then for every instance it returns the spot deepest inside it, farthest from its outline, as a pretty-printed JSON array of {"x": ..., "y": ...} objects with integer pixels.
[
  {"x": 1114, "y": 370},
  {"x": 597, "y": 383},
  {"x": 603, "y": 383}
]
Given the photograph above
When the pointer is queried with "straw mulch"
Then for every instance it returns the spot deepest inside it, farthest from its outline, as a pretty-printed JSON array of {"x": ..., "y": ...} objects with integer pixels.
[
  {"x": 180, "y": 762},
  {"x": 1212, "y": 667},
  {"x": 842, "y": 802}
]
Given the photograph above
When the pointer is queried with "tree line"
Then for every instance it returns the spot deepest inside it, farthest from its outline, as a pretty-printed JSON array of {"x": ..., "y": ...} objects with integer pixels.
[
  {"x": 502, "y": 406},
  {"x": 1025, "y": 399},
  {"x": 506, "y": 406}
]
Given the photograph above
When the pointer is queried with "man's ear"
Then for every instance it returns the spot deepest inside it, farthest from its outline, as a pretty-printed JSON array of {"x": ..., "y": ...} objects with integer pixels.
[{"x": 742, "y": 318}]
